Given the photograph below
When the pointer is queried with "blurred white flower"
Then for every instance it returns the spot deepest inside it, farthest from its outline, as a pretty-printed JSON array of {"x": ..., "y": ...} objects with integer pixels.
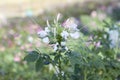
[
  {"x": 94, "y": 14},
  {"x": 63, "y": 43},
  {"x": 51, "y": 67},
  {"x": 29, "y": 13},
  {"x": 75, "y": 35},
  {"x": 64, "y": 34},
  {"x": 46, "y": 40},
  {"x": 3, "y": 20},
  {"x": 114, "y": 37},
  {"x": 47, "y": 29},
  {"x": 30, "y": 39},
  {"x": 42, "y": 34}
]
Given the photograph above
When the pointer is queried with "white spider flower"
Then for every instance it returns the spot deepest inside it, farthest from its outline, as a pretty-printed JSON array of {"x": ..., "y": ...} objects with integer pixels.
[
  {"x": 46, "y": 40},
  {"x": 42, "y": 34},
  {"x": 64, "y": 34},
  {"x": 47, "y": 29},
  {"x": 63, "y": 43},
  {"x": 75, "y": 35}
]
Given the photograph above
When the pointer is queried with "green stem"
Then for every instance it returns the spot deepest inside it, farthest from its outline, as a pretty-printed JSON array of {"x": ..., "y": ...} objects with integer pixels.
[
  {"x": 60, "y": 68},
  {"x": 85, "y": 75}
]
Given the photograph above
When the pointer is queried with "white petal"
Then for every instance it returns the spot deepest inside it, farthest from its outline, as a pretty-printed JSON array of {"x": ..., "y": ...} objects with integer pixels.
[
  {"x": 70, "y": 24},
  {"x": 30, "y": 39},
  {"x": 55, "y": 48},
  {"x": 46, "y": 40},
  {"x": 65, "y": 34},
  {"x": 63, "y": 43},
  {"x": 42, "y": 34},
  {"x": 66, "y": 48},
  {"x": 47, "y": 29},
  {"x": 75, "y": 35}
]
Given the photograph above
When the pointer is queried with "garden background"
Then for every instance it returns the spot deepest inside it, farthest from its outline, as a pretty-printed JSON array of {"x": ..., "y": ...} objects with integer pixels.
[{"x": 20, "y": 20}]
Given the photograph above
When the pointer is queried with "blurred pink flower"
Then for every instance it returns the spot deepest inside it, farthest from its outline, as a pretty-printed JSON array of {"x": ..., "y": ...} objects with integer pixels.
[
  {"x": 22, "y": 47},
  {"x": 17, "y": 58},
  {"x": 97, "y": 44},
  {"x": 32, "y": 28},
  {"x": 101, "y": 16},
  {"x": 70, "y": 24},
  {"x": 93, "y": 14},
  {"x": 90, "y": 37},
  {"x": 2, "y": 48},
  {"x": 88, "y": 44},
  {"x": 10, "y": 43}
]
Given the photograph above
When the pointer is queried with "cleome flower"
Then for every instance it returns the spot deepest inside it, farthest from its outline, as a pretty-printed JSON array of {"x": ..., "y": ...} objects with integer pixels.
[{"x": 68, "y": 30}]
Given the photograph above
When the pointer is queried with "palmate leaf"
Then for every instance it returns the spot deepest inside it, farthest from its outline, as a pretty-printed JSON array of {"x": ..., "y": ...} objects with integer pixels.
[
  {"x": 54, "y": 77},
  {"x": 75, "y": 58},
  {"x": 39, "y": 64},
  {"x": 32, "y": 56}
]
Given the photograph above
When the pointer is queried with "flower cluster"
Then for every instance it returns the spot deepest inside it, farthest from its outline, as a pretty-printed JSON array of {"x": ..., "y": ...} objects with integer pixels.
[{"x": 58, "y": 34}]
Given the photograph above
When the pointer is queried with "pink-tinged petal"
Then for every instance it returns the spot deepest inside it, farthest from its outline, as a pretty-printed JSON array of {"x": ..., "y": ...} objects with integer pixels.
[
  {"x": 17, "y": 58},
  {"x": 97, "y": 44}
]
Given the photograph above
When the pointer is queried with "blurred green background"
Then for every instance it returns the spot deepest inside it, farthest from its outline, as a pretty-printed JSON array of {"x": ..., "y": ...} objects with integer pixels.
[{"x": 21, "y": 19}]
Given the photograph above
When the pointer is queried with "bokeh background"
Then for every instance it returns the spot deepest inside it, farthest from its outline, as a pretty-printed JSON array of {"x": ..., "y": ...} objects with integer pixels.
[{"x": 21, "y": 19}]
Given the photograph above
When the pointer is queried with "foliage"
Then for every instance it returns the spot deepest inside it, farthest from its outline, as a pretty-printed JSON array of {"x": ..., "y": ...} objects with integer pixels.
[{"x": 97, "y": 61}]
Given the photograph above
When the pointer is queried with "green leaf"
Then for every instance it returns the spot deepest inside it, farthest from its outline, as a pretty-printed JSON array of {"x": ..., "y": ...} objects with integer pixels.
[
  {"x": 75, "y": 58},
  {"x": 32, "y": 56},
  {"x": 54, "y": 77},
  {"x": 39, "y": 64}
]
